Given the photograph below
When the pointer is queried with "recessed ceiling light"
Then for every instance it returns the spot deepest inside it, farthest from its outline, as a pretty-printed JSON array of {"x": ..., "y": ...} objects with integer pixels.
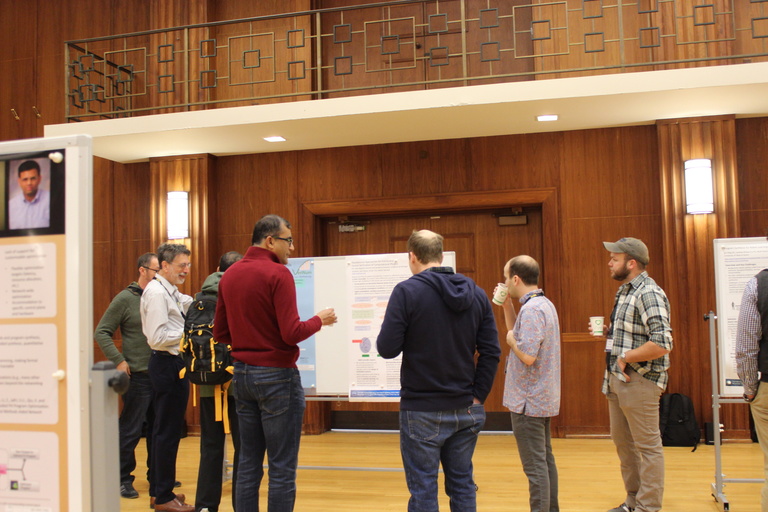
[
  {"x": 275, "y": 138},
  {"x": 548, "y": 117}
]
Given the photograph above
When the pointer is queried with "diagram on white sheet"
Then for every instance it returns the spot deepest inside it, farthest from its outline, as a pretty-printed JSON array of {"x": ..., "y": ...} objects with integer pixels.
[
  {"x": 12, "y": 474},
  {"x": 29, "y": 471}
]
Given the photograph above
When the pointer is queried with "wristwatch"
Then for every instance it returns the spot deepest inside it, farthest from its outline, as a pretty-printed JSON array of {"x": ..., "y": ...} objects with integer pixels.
[
  {"x": 623, "y": 356},
  {"x": 747, "y": 399}
]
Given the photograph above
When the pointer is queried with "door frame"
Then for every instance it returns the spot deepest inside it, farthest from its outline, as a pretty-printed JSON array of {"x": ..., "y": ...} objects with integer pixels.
[{"x": 546, "y": 198}]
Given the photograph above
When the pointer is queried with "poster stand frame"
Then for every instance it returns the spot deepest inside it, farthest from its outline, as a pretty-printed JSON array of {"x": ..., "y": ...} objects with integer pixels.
[{"x": 720, "y": 480}]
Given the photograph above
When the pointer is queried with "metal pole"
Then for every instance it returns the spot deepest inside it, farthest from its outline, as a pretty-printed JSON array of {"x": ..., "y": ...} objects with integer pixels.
[
  {"x": 717, "y": 487},
  {"x": 105, "y": 439}
]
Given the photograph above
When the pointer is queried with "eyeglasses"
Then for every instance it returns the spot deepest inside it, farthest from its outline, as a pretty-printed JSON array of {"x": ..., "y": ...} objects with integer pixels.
[
  {"x": 182, "y": 265},
  {"x": 289, "y": 239},
  {"x": 150, "y": 268}
]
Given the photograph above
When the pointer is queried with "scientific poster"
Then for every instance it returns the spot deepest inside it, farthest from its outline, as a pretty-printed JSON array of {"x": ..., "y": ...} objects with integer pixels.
[
  {"x": 303, "y": 270},
  {"x": 737, "y": 260},
  {"x": 370, "y": 280}
]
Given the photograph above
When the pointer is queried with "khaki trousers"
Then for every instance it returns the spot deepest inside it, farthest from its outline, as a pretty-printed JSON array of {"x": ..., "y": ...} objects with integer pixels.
[
  {"x": 760, "y": 413},
  {"x": 634, "y": 413}
]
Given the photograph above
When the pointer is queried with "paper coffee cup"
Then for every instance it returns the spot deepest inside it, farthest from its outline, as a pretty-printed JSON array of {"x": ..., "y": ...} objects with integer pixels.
[
  {"x": 597, "y": 323},
  {"x": 500, "y": 294}
]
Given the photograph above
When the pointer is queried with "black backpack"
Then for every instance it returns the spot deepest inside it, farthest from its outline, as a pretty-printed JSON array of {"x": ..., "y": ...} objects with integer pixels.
[
  {"x": 206, "y": 360},
  {"x": 677, "y": 421}
]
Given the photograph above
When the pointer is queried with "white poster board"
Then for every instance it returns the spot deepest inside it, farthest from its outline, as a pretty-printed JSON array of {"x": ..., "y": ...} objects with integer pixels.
[
  {"x": 337, "y": 360},
  {"x": 737, "y": 260},
  {"x": 46, "y": 288}
]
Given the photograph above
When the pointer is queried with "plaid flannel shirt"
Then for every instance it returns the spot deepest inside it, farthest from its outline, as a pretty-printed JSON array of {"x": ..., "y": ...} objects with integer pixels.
[
  {"x": 748, "y": 334},
  {"x": 641, "y": 314}
]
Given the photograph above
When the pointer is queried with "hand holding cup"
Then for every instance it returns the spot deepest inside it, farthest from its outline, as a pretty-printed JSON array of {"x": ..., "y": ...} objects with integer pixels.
[
  {"x": 597, "y": 325},
  {"x": 500, "y": 294}
]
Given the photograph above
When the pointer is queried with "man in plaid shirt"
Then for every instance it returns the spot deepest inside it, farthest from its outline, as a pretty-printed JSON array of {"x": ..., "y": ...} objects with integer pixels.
[
  {"x": 752, "y": 356},
  {"x": 637, "y": 359}
]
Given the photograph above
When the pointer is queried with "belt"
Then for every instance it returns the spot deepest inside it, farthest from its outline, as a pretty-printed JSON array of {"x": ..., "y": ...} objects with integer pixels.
[{"x": 163, "y": 353}]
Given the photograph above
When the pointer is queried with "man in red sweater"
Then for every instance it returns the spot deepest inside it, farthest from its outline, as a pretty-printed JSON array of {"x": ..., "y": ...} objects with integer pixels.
[{"x": 257, "y": 315}]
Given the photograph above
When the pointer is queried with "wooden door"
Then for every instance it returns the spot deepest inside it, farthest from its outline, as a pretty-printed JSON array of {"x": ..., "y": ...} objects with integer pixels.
[{"x": 482, "y": 248}]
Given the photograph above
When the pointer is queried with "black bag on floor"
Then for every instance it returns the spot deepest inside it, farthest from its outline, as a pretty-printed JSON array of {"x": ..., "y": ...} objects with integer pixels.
[{"x": 677, "y": 421}]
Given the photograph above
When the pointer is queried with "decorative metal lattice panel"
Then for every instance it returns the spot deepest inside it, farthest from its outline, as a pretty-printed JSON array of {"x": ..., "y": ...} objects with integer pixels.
[{"x": 396, "y": 46}]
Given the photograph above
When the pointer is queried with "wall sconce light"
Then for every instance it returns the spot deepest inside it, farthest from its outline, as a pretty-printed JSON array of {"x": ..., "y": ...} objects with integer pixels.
[
  {"x": 699, "y": 188},
  {"x": 177, "y": 215}
]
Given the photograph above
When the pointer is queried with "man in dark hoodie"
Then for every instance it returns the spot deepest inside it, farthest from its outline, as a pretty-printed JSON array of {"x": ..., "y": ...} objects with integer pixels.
[
  {"x": 438, "y": 320},
  {"x": 123, "y": 313},
  {"x": 212, "y": 435}
]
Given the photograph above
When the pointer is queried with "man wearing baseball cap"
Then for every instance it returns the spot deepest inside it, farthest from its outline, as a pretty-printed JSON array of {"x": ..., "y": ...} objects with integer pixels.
[{"x": 637, "y": 348}]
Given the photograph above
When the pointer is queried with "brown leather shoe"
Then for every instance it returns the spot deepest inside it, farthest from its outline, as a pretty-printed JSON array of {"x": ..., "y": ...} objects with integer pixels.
[
  {"x": 175, "y": 505},
  {"x": 179, "y": 496}
]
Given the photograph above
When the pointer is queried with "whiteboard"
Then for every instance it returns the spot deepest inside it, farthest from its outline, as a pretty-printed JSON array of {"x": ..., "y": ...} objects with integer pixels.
[
  {"x": 737, "y": 260},
  {"x": 324, "y": 362}
]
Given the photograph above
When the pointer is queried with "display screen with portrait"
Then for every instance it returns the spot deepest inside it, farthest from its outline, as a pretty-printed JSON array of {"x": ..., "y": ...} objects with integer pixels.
[{"x": 32, "y": 193}]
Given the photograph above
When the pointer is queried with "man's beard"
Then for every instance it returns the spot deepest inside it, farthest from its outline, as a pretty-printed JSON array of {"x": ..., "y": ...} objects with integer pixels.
[{"x": 621, "y": 273}]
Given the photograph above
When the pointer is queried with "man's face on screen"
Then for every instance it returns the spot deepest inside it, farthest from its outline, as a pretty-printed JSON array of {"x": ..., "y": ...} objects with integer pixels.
[{"x": 29, "y": 181}]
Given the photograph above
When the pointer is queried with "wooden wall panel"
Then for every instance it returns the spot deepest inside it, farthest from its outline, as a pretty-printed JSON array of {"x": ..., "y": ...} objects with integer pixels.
[
  {"x": 592, "y": 291},
  {"x": 610, "y": 170},
  {"x": 688, "y": 245},
  {"x": 120, "y": 231},
  {"x": 752, "y": 136},
  {"x": 251, "y": 186},
  {"x": 606, "y": 194},
  {"x": 515, "y": 162},
  {"x": 341, "y": 173},
  {"x": 427, "y": 167},
  {"x": 195, "y": 175}
]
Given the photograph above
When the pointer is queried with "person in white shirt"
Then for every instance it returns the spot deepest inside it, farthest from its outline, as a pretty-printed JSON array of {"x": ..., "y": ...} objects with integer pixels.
[
  {"x": 163, "y": 309},
  {"x": 31, "y": 208}
]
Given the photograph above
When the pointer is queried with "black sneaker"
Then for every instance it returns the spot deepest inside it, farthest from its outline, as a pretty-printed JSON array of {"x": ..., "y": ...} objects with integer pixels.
[
  {"x": 127, "y": 491},
  {"x": 622, "y": 508}
]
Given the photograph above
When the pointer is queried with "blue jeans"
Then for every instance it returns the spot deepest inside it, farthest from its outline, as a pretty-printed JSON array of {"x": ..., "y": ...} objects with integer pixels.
[
  {"x": 137, "y": 409},
  {"x": 270, "y": 410},
  {"x": 429, "y": 438},
  {"x": 534, "y": 444}
]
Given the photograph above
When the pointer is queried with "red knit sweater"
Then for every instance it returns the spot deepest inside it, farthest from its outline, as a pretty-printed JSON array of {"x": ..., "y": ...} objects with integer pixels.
[{"x": 257, "y": 314}]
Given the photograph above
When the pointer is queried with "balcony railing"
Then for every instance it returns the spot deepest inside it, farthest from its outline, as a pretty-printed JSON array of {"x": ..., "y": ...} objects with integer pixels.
[{"x": 401, "y": 46}]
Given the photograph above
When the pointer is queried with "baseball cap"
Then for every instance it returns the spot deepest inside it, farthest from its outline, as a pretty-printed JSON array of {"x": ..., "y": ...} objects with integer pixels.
[{"x": 633, "y": 247}]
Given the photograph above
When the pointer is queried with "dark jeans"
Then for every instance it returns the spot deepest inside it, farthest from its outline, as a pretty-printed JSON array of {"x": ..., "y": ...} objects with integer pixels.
[
  {"x": 270, "y": 409},
  {"x": 429, "y": 438},
  {"x": 534, "y": 443},
  {"x": 137, "y": 409},
  {"x": 212, "y": 449},
  {"x": 170, "y": 396}
]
